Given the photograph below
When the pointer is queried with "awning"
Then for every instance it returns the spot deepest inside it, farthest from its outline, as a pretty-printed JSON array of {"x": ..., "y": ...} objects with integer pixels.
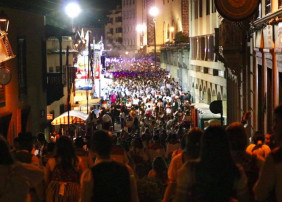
[{"x": 76, "y": 117}]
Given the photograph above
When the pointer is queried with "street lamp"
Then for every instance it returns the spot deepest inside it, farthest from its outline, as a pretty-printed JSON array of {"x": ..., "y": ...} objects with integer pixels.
[
  {"x": 154, "y": 12},
  {"x": 72, "y": 10}
]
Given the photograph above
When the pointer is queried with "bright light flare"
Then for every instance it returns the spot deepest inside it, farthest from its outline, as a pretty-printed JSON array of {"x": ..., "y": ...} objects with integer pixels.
[
  {"x": 72, "y": 10},
  {"x": 141, "y": 28},
  {"x": 154, "y": 11}
]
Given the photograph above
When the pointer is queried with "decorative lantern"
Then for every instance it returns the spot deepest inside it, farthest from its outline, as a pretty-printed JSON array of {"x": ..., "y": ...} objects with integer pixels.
[
  {"x": 6, "y": 52},
  {"x": 4, "y": 22}
]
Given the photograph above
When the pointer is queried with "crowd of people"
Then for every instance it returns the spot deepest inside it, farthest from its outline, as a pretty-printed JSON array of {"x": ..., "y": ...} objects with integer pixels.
[{"x": 141, "y": 146}]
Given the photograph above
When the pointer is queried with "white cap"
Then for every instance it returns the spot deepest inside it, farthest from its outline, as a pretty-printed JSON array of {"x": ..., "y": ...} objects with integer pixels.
[{"x": 106, "y": 118}]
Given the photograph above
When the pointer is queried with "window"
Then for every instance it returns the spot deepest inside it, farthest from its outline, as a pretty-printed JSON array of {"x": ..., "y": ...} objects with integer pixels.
[
  {"x": 279, "y": 3},
  {"x": 259, "y": 11},
  {"x": 213, "y": 7},
  {"x": 119, "y": 30},
  {"x": 200, "y": 8},
  {"x": 267, "y": 7},
  {"x": 118, "y": 19},
  {"x": 62, "y": 108},
  {"x": 51, "y": 69},
  {"x": 64, "y": 75},
  {"x": 194, "y": 48},
  {"x": 196, "y": 9},
  {"x": 208, "y": 7},
  {"x": 119, "y": 40},
  {"x": 167, "y": 34},
  {"x": 210, "y": 51},
  {"x": 203, "y": 48}
]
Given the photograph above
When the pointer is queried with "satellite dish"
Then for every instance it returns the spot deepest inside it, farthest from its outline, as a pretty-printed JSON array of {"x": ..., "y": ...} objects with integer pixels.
[{"x": 216, "y": 107}]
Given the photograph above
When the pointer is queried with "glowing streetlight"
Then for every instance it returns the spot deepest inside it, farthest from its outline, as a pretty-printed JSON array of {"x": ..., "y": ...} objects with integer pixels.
[
  {"x": 171, "y": 29},
  {"x": 72, "y": 10},
  {"x": 154, "y": 12}
]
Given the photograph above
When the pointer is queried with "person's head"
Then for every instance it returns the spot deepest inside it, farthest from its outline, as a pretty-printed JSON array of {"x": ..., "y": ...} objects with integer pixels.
[
  {"x": 41, "y": 138},
  {"x": 51, "y": 147},
  {"x": 106, "y": 122},
  {"x": 25, "y": 141},
  {"x": 258, "y": 138},
  {"x": 268, "y": 139},
  {"x": 159, "y": 165},
  {"x": 136, "y": 143},
  {"x": 140, "y": 170},
  {"x": 65, "y": 153},
  {"x": 156, "y": 138},
  {"x": 172, "y": 138},
  {"x": 6, "y": 156},
  {"x": 215, "y": 147},
  {"x": 79, "y": 143},
  {"x": 16, "y": 143},
  {"x": 237, "y": 136},
  {"x": 193, "y": 142},
  {"x": 277, "y": 124},
  {"x": 101, "y": 144}
]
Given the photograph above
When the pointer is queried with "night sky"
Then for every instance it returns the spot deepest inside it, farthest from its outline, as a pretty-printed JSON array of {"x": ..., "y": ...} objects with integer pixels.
[{"x": 93, "y": 11}]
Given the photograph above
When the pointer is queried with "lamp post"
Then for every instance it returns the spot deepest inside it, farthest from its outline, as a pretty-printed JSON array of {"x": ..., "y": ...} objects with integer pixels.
[
  {"x": 72, "y": 10},
  {"x": 154, "y": 12}
]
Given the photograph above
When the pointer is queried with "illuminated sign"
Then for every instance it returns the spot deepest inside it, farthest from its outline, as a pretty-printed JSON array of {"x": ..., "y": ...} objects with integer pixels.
[{"x": 50, "y": 116}]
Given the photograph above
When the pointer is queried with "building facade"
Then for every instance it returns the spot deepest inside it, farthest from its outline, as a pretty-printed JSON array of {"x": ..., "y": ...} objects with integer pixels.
[
  {"x": 139, "y": 27},
  {"x": 59, "y": 72},
  {"x": 23, "y": 99},
  {"x": 134, "y": 24},
  {"x": 266, "y": 64},
  {"x": 114, "y": 30},
  {"x": 207, "y": 80}
]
